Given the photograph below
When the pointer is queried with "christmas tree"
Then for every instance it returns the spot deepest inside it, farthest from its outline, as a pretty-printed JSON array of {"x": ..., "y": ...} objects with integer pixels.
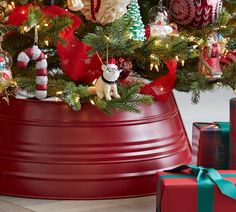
[
  {"x": 73, "y": 45},
  {"x": 81, "y": 52}
]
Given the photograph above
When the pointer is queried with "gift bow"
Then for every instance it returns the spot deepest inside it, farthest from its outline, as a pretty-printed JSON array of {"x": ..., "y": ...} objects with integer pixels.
[
  {"x": 206, "y": 179},
  {"x": 204, "y": 174}
]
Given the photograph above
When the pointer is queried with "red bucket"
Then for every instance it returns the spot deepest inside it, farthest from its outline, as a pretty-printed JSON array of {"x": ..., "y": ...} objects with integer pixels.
[{"x": 49, "y": 151}]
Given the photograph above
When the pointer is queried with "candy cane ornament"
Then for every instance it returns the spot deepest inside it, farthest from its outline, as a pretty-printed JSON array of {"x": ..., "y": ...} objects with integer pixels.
[{"x": 37, "y": 55}]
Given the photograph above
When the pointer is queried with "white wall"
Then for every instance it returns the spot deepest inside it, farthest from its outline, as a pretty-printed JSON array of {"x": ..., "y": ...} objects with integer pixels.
[{"x": 213, "y": 106}]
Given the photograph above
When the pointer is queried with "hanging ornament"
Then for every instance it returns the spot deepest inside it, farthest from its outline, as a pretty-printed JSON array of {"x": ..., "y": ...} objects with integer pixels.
[
  {"x": 104, "y": 11},
  {"x": 159, "y": 26},
  {"x": 106, "y": 84},
  {"x": 159, "y": 23},
  {"x": 209, "y": 58},
  {"x": 5, "y": 10},
  {"x": 125, "y": 65},
  {"x": 194, "y": 13},
  {"x": 37, "y": 55},
  {"x": 75, "y": 5},
  {"x": 137, "y": 30},
  {"x": 5, "y": 65}
]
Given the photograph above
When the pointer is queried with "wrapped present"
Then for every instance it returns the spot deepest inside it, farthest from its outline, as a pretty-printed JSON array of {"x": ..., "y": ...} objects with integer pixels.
[
  {"x": 210, "y": 144},
  {"x": 201, "y": 190},
  {"x": 232, "y": 134}
]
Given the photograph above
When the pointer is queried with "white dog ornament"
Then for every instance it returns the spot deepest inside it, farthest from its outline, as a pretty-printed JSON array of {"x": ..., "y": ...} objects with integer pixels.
[{"x": 106, "y": 84}]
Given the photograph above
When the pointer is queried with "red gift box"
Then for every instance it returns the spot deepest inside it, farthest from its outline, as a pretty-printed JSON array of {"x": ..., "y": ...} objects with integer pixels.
[
  {"x": 179, "y": 192},
  {"x": 210, "y": 144}
]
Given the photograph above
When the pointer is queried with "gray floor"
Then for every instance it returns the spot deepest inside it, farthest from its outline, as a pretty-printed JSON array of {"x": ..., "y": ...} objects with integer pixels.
[{"x": 214, "y": 106}]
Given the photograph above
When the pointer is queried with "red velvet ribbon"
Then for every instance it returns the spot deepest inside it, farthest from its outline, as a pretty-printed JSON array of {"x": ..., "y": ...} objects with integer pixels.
[
  {"x": 94, "y": 9},
  {"x": 161, "y": 88}
]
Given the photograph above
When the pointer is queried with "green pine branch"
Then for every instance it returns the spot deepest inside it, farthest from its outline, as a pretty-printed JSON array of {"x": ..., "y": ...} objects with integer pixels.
[
  {"x": 229, "y": 75},
  {"x": 130, "y": 100},
  {"x": 71, "y": 96},
  {"x": 6, "y": 28},
  {"x": 189, "y": 80},
  {"x": 115, "y": 37}
]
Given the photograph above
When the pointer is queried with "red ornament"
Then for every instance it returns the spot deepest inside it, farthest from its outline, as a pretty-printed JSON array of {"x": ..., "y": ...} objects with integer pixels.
[
  {"x": 5, "y": 76},
  {"x": 161, "y": 88},
  {"x": 229, "y": 58},
  {"x": 194, "y": 13},
  {"x": 147, "y": 31},
  {"x": 124, "y": 64}
]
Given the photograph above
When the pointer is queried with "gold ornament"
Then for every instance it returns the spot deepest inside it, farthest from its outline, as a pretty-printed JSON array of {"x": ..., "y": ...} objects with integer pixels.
[
  {"x": 75, "y": 5},
  {"x": 5, "y": 10}
]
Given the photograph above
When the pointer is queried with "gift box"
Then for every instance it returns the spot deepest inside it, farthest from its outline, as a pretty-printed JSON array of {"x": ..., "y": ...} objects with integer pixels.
[
  {"x": 233, "y": 133},
  {"x": 210, "y": 144},
  {"x": 203, "y": 190}
]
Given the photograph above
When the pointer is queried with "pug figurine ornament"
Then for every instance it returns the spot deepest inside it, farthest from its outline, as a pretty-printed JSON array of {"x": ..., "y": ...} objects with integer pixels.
[{"x": 106, "y": 84}]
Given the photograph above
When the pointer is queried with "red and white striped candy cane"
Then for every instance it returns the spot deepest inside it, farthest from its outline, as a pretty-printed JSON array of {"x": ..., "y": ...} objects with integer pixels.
[{"x": 37, "y": 55}]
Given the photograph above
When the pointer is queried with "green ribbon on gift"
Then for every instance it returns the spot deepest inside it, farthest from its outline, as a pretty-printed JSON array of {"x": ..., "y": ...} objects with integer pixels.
[
  {"x": 224, "y": 126},
  {"x": 206, "y": 179}
]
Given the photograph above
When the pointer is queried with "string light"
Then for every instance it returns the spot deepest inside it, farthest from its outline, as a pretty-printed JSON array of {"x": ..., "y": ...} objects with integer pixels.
[
  {"x": 182, "y": 62},
  {"x": 46, "y": 42},
  {"x": 157, "y": 42},
  {"x": 94, "y": 81},
  {"x": 25, "y": 28},
  {"x": 59, "y": 93},
  {"x": 157, "y": 68},
  {"x": 92, "y": 102},
  {"x": 107, "y": 38},
  {"x": 151, "y": 66},
  {"x": 77, "y": 99},
  {"x": 191, "y": 38}
]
